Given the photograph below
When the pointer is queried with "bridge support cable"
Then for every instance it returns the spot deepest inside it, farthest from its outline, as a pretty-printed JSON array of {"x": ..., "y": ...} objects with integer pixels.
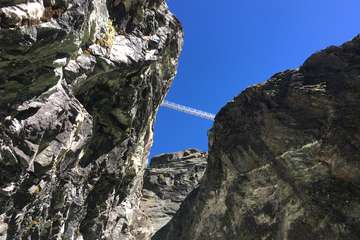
[{"x": 188, "y": 110}]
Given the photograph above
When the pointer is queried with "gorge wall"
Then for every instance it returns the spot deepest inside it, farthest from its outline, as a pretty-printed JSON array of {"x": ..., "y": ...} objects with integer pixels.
[
  {"x": 284, "y": 159},
  {"x": 80, "y": 84},
  {"x": 167, "y": 182}
]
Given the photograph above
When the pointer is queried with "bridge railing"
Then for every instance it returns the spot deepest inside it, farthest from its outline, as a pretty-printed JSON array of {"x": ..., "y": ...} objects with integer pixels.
[{"x": 188, "y": 110}]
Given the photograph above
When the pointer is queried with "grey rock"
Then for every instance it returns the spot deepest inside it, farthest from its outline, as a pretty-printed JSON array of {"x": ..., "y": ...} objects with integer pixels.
[
  {"x": 283, "y": 159},
  {"x": 80, "y": 84},
  {"x": 167, "y": 182}
]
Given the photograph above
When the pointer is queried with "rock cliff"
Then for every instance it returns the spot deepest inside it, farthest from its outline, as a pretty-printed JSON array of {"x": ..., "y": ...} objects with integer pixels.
[
  {"x": 80, "y": 84},
  {"x": 167, "y": 182},
  {"x": 284, "y": 159}
]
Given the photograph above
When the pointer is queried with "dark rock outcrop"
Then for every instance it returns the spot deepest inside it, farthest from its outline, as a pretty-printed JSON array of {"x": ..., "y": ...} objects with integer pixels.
[
  {"x": 80, "y": 83},
  {"x": 284, "y": 159},
  {"x": 167, "y": 182}
]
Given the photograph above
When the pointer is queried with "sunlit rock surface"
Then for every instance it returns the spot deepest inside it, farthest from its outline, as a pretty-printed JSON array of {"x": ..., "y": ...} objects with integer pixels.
[
  {"x": 284, "y": 159},
  {"x": 167, "y": 182},
  {"x": 80, "y": 84}
]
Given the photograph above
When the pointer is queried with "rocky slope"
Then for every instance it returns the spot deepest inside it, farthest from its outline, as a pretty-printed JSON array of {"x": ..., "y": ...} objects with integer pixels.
[
  {"x": 284, "y": 159},
  {"x": 167, "y": 182},
  {"x": 80, "y": 83}
]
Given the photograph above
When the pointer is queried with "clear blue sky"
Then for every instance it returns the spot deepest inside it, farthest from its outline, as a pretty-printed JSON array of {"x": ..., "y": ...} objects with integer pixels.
[{"x": 233, "y": 44}]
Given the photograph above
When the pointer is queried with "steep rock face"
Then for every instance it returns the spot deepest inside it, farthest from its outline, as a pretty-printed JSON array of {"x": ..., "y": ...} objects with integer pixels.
[
  {"x": 167, "y": 182},
  {"x": 284, "y": 159},
  {"x": 80, "y": 83}
]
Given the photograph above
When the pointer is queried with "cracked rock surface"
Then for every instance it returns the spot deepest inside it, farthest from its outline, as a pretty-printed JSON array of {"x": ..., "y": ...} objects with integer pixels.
[
  {"x": 167, "y": 182},
  {"x": 80, "y": 84},
  {"x": 284, "y": 159}
]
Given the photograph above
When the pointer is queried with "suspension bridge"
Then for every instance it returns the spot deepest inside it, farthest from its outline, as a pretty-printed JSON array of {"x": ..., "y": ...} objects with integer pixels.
[{"x": 188, "y": 110}]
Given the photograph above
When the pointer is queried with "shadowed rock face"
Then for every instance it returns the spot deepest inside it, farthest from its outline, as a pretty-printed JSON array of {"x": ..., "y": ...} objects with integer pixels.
[
  {"x": 167, "y": 182},
  {"x": 80, "y": 83},
  {"x": 284, "y": 159}
]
